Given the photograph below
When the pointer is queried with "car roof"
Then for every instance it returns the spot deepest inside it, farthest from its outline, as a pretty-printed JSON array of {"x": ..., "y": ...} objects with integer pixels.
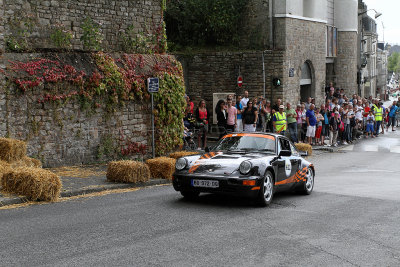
[{"x": 260, "y": 133}]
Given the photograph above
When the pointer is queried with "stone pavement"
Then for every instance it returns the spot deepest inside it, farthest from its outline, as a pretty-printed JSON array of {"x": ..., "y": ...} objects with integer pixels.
[{"x": 81, "y": 180}]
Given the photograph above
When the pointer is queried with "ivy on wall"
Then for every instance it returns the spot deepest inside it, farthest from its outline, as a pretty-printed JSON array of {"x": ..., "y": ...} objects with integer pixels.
[{"x": 112, "y": 83}]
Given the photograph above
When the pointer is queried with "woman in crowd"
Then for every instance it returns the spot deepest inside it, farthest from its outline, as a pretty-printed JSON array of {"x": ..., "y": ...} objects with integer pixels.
[
  {"x": 222, "y": 115},
  {"x": 320, "y": 121},
  {"x": 249, "y": 117},
  {"x": 201, "y": 115}
]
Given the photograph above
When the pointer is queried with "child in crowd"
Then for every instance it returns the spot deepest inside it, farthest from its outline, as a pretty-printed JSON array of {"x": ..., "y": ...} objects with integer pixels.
[{"x": 370, "y": 124}]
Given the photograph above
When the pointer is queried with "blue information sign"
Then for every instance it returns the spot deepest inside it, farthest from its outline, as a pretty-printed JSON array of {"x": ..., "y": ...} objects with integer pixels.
[{"x": 153, "y": 84}]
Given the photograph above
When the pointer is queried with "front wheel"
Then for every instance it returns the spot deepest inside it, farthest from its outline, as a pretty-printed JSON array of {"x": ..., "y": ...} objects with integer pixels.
[
  {"x": 267, "y": 190},
  {"x": 308, "y": 185},
  {"x": 190, "y": 194}
]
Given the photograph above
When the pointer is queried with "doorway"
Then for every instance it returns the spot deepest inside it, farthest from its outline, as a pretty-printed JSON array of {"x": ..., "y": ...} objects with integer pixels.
[{"x": 306, "y": 82}]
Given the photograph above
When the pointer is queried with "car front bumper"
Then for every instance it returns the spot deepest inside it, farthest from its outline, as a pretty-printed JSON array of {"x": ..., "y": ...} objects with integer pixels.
[{"x": 182, "y": 182}]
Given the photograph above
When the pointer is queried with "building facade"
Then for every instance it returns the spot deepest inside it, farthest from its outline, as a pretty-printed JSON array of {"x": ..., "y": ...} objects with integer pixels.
[{"x": 305, "y": 43}]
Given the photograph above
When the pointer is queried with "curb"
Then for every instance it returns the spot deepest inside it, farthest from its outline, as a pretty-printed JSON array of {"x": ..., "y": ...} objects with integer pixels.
[{"x": 84, "y": 191}]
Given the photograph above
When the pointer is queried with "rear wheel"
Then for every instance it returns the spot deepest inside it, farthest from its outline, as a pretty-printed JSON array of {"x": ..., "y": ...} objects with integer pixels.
[
  {"x": 190, "y": 194},
  {"x": 308, "y": 185},
  {"x": 267, "y": 190}
]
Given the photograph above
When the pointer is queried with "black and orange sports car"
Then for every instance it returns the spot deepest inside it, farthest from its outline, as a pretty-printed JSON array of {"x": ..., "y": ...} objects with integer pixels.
[{"x": 250, "y": 164}]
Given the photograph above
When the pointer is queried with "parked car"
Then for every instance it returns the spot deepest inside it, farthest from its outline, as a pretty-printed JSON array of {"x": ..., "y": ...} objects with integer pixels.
[{"x": 255, "y": 165}]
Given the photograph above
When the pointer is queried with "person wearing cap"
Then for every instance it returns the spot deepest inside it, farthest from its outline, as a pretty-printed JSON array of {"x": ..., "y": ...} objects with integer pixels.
[
  {"x": 311, "y": 123},
  {"x": 279, "y": 121},
  {"x": 334, "y": 124}
]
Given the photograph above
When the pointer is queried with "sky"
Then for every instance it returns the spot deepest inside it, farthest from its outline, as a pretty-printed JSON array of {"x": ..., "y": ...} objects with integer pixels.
[{"x": 390, "y": 10}]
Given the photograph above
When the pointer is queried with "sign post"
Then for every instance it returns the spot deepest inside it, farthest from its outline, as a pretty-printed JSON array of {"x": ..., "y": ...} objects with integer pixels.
[{"x": 153, "y": 85}]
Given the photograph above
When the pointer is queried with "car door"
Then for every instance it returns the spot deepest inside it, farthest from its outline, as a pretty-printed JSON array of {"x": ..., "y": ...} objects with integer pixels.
[{"x": 286, "y": 166}]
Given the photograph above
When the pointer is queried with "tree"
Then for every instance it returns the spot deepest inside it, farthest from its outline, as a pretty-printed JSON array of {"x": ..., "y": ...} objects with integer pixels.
[
  {"x": 394, "y": 62},
  {"x": 204, "y": 22}
]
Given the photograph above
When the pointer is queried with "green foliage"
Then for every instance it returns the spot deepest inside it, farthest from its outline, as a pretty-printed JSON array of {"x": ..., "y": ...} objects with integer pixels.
[
  {"x": 133, "y": 42},
  {"x": 394, "y": 62},
  {"x": 107, "y": 147},
  {"x": 91, "y": 37},
  {"x": 169, "y": 113},
  {"x": 21, "y": 27},
  {"x": 204, "y": 22},
  {"x": 60, "y": 37}
]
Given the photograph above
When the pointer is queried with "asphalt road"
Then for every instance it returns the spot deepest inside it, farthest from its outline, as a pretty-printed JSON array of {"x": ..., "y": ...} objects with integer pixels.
[{"x": 351, "y": 219}]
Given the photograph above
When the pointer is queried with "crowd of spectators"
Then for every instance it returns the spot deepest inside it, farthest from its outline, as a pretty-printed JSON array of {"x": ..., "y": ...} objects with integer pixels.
[{"x": 339, "y": 120}]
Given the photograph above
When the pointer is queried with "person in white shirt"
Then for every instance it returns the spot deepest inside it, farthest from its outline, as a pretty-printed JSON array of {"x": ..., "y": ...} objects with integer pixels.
[{"x": 245, "y": 99}]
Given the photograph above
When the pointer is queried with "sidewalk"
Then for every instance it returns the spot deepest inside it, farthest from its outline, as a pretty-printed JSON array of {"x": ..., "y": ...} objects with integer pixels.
[{"x": 80, "y": 181}]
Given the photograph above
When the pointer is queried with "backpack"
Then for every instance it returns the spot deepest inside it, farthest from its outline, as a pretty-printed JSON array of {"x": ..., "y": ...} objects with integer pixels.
[{"x": 341, "y": 126}]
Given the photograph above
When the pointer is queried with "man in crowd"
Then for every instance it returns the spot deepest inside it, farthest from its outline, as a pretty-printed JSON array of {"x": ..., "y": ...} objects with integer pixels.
[
  {"x": 279, "y": 121},
  {"x": 291, "y": 117},
  {"x": 311, "y": 123},
  {"x": 245, "y": 99},
  {"x": 278, "y": 103},
  {"x": 231, "y": 121},
  {"x": 308, "y": 103}
]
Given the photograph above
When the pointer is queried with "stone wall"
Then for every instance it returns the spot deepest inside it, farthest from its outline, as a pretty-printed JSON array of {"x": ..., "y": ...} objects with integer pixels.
[
  {"x": 113, "y": 16},
  {"x": 63, "y": 133},
  {"x": 303, "y": 41},
  {"x": 217, "y": 72},
  {"x": 346, "y": 62}
]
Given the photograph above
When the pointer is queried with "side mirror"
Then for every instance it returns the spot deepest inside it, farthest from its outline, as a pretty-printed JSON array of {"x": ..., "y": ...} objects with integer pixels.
[
  {"x": 207, "y": 149},
  {"x": 285, "y": 153}
]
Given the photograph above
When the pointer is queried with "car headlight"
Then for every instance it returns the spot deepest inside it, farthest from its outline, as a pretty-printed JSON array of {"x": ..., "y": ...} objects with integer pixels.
[
  {"x": 180, "y": 164},
  {"x": 245, "y": 167}
]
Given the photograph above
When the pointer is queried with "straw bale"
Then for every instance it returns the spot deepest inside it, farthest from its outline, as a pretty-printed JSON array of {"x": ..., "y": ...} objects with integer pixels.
[
  {"x": 180, "y": 154},
  {"x": 127, "y": 171},
  {"x": 27, "y": 162},
  {"x": 304, "y": 147},
  {"x": 12, "y": 149},
  {"x": 4, "y": 167},
  {"x": 162, "y": 167},
  {"x": 34, "y": 183}
]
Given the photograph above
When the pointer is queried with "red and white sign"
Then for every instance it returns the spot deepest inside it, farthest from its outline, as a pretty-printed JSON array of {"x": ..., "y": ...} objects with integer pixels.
[{"x": 240, "y": 81}]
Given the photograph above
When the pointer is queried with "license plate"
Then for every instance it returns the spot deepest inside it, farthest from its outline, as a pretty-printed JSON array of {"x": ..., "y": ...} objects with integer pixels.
[{"x": 205, "y": 183}]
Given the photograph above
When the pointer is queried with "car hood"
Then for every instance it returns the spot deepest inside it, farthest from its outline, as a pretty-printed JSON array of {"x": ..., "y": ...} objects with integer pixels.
[{"x": 220, "y": 163}]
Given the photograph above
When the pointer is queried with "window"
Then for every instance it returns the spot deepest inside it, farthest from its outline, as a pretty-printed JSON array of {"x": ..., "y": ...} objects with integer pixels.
[
  {"x": 331, "y": 41},
  {"x": 284, "y": 143}
]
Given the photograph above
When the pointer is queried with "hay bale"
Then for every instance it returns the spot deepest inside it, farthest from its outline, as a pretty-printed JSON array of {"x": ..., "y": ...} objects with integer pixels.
[
  {"x": 12, "y": 149},
  {"x": 34, "y": 183},
  {"x": 27, "y": 162},
  {"x": 127, "y": 171},
  {"x": 180, "y": 154},
  {"x": 161, "y": 167},
  {"x": 304, "y": 147},
  {"x": 4, "y": 167}
]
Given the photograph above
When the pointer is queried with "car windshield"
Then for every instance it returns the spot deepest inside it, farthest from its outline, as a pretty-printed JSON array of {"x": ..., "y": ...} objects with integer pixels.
[{"x": 245, "y": 143}]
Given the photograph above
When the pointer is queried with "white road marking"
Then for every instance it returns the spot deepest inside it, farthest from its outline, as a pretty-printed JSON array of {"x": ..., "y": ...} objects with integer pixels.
[
  {"x": 348, "y": 148},
  {"x": 370, "y": 148},
  {"x": 395, "y": 149}
]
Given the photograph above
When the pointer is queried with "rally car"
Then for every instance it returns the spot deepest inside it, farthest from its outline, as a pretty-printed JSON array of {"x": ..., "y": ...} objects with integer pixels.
[{"x": 255, "y": 165}]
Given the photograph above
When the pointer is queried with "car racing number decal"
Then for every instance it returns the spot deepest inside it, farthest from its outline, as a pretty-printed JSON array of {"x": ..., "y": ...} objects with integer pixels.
[{"x": 288, "y": 167}]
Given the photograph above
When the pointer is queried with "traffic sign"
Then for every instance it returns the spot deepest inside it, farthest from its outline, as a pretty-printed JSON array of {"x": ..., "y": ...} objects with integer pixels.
[
  {"x": 276, "y": 82},
  {"x": 153, "y": 85},
  {"x": 240, "y": 81}
]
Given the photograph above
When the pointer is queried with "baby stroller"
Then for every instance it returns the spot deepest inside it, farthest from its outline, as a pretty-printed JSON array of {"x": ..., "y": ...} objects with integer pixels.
[{"x": 188, "y": 142}]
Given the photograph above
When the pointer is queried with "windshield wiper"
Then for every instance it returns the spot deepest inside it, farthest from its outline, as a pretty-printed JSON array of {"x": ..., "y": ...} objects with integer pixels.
[{"x": 266, "y": 150}]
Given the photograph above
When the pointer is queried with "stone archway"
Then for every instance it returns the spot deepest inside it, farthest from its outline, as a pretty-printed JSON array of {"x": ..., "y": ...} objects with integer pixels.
[{"x": 307, "y": 84}]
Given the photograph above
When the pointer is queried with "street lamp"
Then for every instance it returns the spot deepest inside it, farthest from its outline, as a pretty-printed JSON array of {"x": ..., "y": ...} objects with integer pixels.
[{"x": 377, "y": 14}]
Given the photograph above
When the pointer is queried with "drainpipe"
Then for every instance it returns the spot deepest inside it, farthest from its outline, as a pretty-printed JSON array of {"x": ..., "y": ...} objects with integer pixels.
[
  {"x": 271, "y": 26},
  {"x": 263, "y": 64}
]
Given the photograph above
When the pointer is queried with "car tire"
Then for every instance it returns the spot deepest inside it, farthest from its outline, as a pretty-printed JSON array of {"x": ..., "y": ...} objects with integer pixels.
[
  {"x": 267, "y": 189},
  {"x": 190, "y": 194},
  {"x": 308, "y": 185}
]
